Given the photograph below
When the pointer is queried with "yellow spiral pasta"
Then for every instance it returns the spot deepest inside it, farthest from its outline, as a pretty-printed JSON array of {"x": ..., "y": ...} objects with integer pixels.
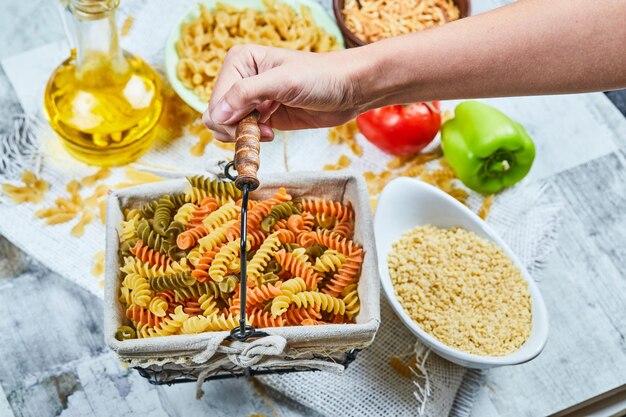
[
  {"x": 325, "y": 302},
  {"x": 222, "y": 215},
  {"x": 158, "y": 306},
  {"x": 350, "y": 297},
  {"x": 262, "y": 256},
  {"x": 208, "y": 305},
  {"x": 227, "y": 254},
  {"x": 330, "y": 261},
  {"x": 185, "y": 213},
  {"x": 216, "y": 237}
]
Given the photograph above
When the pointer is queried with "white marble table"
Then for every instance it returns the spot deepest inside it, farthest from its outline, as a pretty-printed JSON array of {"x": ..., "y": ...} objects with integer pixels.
[{"x": 54, "y": 360}]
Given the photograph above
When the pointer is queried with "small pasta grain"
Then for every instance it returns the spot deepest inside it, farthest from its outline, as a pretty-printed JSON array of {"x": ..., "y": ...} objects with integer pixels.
[{"x": 461, "y": 289}]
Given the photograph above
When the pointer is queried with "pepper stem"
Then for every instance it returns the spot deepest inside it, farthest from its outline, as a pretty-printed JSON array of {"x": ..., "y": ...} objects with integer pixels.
[{"x": 499, "y": 163}]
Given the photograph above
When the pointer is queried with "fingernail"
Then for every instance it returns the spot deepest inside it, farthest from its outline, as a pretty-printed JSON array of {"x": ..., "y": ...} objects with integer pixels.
[{"x": 222, "y": 112}]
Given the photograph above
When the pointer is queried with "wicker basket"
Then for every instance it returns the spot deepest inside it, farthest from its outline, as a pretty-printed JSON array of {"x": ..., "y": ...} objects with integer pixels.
[{"x": 213, "y": 355}]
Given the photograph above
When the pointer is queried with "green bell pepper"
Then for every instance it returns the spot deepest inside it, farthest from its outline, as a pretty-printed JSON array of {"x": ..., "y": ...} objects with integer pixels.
[{"x": 486, "y": 149}]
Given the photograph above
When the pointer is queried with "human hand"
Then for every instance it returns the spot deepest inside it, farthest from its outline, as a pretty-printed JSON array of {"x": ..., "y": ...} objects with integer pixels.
[{"x": 291, "y": 90}]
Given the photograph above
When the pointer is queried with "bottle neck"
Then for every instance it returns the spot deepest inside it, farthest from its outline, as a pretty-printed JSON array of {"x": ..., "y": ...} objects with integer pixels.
[{"x": 97, "y": 41}]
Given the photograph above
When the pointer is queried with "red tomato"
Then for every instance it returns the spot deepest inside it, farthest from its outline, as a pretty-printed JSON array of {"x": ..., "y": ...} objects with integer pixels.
[{"x": 401, "y": 129}]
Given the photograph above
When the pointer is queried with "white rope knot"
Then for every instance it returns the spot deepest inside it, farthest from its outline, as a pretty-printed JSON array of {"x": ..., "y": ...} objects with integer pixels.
[{"x": 244, "y": 354}]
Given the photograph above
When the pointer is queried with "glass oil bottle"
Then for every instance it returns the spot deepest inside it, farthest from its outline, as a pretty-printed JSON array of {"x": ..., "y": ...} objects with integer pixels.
[{"x": 104, "y": 102}]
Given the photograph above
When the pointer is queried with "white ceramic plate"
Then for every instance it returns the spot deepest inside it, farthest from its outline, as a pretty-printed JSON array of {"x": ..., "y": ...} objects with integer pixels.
[
  {"x": 321, "y": 18},
  {"x": 406, "y": 203}
]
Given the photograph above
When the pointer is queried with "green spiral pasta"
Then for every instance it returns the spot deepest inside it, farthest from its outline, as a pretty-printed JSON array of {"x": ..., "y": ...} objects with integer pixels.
[
  {"x": 198, "y": 289},
  {"x": 173, "y": 230},
  {"x": 163, "y": 214},
  {"x": 172, "y": 282},
  {"x": 315, "y": 251},
  {"x": 147, "y": 211},
  {"x": 278, "y": 212},
  {"x": 125, "y": 333},
  {"x": 229, "y": 283},
  {"x": 215, "y": 188},
  {"x": 157, "y": 242},
  {"x": 126, "y": 246}
]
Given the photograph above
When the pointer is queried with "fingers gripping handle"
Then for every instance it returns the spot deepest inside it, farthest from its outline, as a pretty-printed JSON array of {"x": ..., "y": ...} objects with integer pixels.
[{"x": 247, "y": 151}]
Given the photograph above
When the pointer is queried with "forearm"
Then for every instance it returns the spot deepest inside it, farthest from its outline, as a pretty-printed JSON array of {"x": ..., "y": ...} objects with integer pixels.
[{"x": 529, "y": 47}]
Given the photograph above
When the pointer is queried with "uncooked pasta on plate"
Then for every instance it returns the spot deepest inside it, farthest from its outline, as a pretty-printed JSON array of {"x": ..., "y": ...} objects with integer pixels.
[
  {"x": 461, "y": 289},
  {"x": 373, "y": 20},
  {"x": 205, "y": 40}
]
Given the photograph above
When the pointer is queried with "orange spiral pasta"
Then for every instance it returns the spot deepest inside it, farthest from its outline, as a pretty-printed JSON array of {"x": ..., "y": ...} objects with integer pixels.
[
  {"x": 298, "y": 223},
  {"x": 140, "y": 315},
  {"x": 347, "y": 274},
  {"x": 344, "y": 229},
  {"x": 256, "y": 238},
  {"x": 262, "y": 318},
  {"x": 329, "y": 208},
  {"x": 331, "y": 241},
  {"x": 201, "y": 271},
  {"x": 312, "y": 322},
  {"x": 298, "y": 268},
  {"x": 306, "y": 239},
  {"x": 286, "y": 236},
  {"x": 188, "y": 238},
  {"x": 146, "y": 254},
  {"x": 206, "y": 207},
  {"x": 295, "y": 315},
  {"x": 262, "y": 293},
  {"x": 303, "y": 267},
  {"x": 192, "y": 307}
]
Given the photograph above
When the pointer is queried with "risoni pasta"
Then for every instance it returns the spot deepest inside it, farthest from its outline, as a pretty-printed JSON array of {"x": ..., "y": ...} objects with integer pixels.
[
  {"x": 205, "y": 40},
  {"x": 303, "y": 266}
]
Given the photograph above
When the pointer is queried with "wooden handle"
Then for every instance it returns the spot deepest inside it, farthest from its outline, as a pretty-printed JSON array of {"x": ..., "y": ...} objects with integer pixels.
[{"x": 247, "y": 151}]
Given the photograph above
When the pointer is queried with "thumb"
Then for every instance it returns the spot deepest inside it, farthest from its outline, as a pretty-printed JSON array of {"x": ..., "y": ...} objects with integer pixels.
[{"x": 245, "y": 95}]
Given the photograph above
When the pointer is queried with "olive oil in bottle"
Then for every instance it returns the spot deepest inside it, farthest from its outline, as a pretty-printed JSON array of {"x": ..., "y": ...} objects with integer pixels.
[{"x": 103, "y": 102}]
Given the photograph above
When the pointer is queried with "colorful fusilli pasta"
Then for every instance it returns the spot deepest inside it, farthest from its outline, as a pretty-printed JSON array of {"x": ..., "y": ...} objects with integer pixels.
[{"x": 181, "y": 262}]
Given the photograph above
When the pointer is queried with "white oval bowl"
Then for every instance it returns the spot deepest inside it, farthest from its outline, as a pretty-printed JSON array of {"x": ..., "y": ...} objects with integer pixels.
[{"x": 406, "y": 203}]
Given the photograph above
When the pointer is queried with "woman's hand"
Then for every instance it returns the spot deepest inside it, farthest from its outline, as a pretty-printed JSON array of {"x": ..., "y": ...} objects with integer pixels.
[{"x": 291, "y": 90}]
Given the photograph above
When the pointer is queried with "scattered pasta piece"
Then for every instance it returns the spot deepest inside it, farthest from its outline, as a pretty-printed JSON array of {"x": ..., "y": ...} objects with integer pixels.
[
  {"x": 136, "y": 177},
  {"x": 91, "y": 180},
  {"x": 485, "y": 208},
  {"x": 98, "y": 264},
  {"x": 127, "y": 25},
  {"x": 343, "y": 163},
  {"x": 401, "y": 367},
  {"x": 346, "y": 134},
  {"x": 79, "y": 229},
  {"x": 204, "y": 136},
  {"x": 33, "y": 190}
]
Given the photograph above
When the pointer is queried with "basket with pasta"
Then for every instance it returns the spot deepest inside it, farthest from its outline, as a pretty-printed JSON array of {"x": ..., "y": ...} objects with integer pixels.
[{"x": 172, "y": 276}]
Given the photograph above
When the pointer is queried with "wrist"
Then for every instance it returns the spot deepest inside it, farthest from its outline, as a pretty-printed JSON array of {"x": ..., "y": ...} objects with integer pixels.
[{"x": 380, "y": 74}]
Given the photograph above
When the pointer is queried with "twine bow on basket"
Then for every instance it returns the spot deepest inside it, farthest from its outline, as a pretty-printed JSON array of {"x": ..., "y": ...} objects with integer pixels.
[
  {"x": 246, "y": 354},
  {"x": 241, "y": 354}
]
